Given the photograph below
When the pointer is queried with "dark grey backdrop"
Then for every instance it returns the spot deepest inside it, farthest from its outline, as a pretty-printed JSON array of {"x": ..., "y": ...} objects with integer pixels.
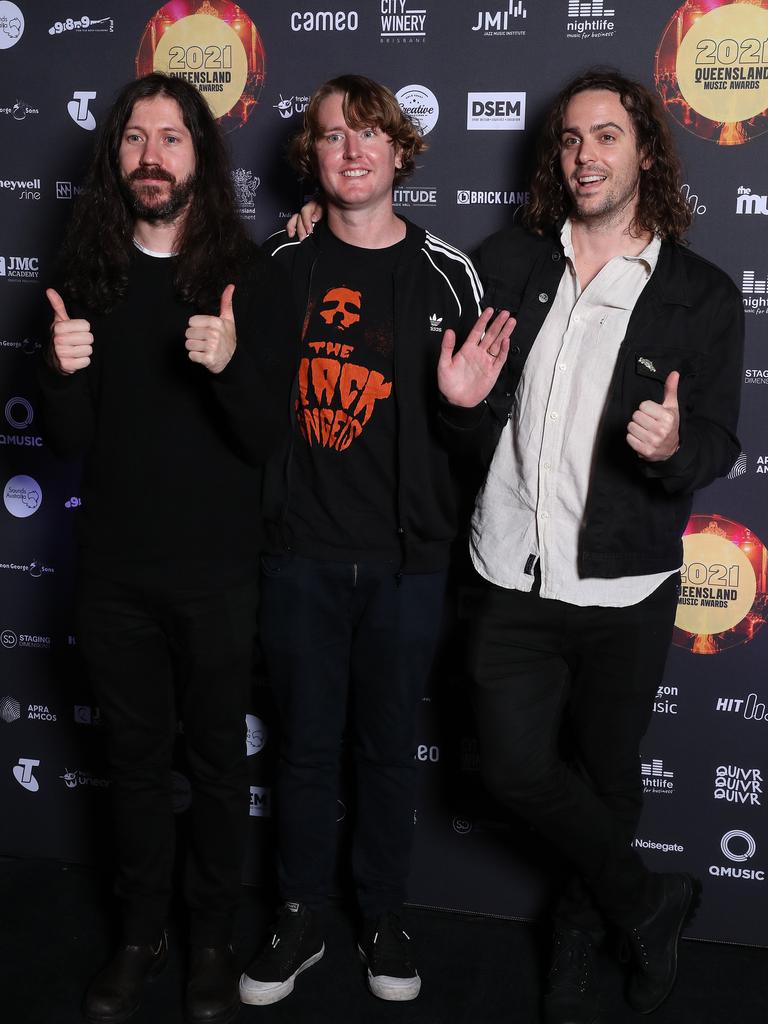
[{"x": 468, "y": 856}]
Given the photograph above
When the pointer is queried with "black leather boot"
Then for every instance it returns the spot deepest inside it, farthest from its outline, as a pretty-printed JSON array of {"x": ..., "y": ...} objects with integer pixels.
[
  {"x": 115, "y": 993},
  {"x": 212, "y": 992}
]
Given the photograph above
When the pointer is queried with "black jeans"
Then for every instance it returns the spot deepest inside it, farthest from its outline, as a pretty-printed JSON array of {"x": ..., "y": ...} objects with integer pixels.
[
  {"x": 545, "y": 671},
  {"x": 140, "y": 643},
  {"x": 338, "y": 634}
]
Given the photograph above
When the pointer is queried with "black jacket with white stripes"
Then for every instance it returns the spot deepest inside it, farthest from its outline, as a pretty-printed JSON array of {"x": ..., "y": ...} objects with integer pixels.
[{"x": 436, "y": 287}]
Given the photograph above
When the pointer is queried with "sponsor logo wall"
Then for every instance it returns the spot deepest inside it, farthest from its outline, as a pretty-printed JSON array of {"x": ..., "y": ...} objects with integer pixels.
[{"x": 703, "y": 763}]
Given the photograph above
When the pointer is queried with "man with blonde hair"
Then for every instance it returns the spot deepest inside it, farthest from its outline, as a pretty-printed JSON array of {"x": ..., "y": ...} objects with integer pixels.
[{"x": 360, "y": 514}]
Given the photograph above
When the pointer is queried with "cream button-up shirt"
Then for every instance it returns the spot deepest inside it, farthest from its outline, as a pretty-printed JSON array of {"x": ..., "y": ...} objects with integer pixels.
[{"x": 532, "y": 503}]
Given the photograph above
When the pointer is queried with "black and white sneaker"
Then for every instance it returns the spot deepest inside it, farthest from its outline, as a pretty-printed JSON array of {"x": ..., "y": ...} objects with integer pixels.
[
  {"x": 385, "y": 949},
  {"x": 294, "y": 946}
]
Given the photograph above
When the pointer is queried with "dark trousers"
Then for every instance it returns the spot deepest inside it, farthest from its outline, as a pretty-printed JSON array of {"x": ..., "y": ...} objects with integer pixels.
[
  {"x": 546, "y": 673},
  {"x": 141, "y": 643},
  {"x": 338, "y": 635}
]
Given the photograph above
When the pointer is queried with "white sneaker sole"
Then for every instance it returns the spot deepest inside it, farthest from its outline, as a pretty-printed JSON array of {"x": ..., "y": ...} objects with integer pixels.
[
  {"x": 262, "y": 993},
  {"x": 394, "y": 990}
]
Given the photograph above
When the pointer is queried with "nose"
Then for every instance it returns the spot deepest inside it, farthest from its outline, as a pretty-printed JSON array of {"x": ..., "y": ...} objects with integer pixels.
[
  {"x": 351, "y": 145},
  {"x": 150, "y": 153},
  {"x": 585, "y": 152}
]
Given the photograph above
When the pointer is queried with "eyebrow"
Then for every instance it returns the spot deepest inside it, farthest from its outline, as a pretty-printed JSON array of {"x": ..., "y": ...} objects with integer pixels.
[
  {"x": 163, "y": 128},
  {"x": 595, "y": 128}
]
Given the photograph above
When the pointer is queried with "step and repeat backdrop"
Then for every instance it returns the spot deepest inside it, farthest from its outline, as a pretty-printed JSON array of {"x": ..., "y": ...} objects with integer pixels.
[{"x": 478, "y": 76}]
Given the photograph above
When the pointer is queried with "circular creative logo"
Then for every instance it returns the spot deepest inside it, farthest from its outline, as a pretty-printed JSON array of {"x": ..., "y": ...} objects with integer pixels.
[
  {"x": 421, "y": 106},
  {"x": 724, "y": 580},
  {"x": 215, "y": 46},
  {"x": 22, "y": 496},
  {"x": 11, "y": 24},
  {"x": 742, "y": 850},
  {"x": 712, "y": 69},
  {"x": 255, "y": 734}
]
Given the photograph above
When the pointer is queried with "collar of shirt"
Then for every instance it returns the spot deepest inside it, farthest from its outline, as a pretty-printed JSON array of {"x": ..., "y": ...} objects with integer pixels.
[{"x": 649, "y": 256}]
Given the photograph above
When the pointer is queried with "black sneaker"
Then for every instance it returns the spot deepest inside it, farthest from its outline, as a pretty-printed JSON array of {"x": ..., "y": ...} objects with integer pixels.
[
  {"x": 384, "y": 948},
  {"x": 571, "y": 995},
  {"x": 294, "y": 946}
]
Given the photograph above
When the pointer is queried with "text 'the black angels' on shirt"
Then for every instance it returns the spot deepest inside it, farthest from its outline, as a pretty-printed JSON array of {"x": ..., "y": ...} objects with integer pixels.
[{"x": 342, "y": 502}]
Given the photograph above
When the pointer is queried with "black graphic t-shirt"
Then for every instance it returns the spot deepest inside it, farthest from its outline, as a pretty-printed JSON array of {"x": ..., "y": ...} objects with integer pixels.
[{"x": 343, "y": 492}]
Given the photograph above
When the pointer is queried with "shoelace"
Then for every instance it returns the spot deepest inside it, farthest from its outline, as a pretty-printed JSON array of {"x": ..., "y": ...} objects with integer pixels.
[
  {"x": 390, "y": 942},
  {"x": 569, "y": 958}
]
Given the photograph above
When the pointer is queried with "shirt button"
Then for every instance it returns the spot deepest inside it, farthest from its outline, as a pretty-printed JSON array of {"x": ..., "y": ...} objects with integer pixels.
[
  {"x": 547, "y": 465},
  {"x": 555, "y": 256},
  {"x": 545, "y": 515},
  {"x": 562, "y": 367},
  {"x": 553, "y": 415},
  {"x": 543, "y": 297}
]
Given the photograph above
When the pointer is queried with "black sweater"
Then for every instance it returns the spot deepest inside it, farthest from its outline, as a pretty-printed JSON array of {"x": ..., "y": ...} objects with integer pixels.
[{"x": 171, "y": 476}]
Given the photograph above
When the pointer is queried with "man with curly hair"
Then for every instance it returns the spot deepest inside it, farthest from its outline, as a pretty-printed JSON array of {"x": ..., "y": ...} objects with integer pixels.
[
  {"x": 360, "y": 514},
  {"x": 169, "y": 371},
  {"x": 619, "y": 399}
]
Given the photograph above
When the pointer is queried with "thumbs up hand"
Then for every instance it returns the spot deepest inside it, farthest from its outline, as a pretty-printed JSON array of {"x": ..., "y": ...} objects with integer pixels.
[
  {"x": 654, "y": 430},
  {"x": 72, "y": 339},
  {"x": 211, "y": 340}
]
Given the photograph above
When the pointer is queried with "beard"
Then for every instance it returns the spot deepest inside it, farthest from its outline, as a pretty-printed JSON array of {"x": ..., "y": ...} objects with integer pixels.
[
  {"x": 612, "y": 205},
  {"x": 144, "y": 200}
]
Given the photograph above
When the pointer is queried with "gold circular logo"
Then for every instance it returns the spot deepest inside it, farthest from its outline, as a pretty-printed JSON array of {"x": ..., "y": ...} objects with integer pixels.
[
  {"x": 712, "y": 69},
  {"x": 207, "y": 52},
  {"x": 212, "y": 44},
  {"x": 722, "y": 588}
]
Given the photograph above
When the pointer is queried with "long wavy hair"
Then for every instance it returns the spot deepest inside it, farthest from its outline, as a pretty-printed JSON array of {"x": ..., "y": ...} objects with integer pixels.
[
  {"x": 212, "y": 244},
  {"x": 365, "y": 104},
  {"x": 661, "y": 208}
]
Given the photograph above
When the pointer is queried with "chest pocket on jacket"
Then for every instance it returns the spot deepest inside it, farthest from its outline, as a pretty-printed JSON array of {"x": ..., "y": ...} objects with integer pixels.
[{"x": 651, "y": 369}]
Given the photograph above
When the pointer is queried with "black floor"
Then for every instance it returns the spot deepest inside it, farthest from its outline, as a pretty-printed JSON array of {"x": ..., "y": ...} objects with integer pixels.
[{"x": 55, "y": 933}]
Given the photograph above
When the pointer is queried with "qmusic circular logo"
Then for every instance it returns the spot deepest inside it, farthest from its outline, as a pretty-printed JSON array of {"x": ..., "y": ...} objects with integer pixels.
[
  {"x": 727, "y": 841},
  {"x": 420, "y": 105},
  {"x": 17, "y": 405},
  {"x": 216, "y": 46},
  {"x": 711, "y": 67},
  {"x": 724, "y": 579}
]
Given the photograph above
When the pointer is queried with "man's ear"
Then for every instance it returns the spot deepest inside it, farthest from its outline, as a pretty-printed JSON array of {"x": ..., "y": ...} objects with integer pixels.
[
  {"x": 398, "y": 156},
  {"x": 647, "y": 162}
]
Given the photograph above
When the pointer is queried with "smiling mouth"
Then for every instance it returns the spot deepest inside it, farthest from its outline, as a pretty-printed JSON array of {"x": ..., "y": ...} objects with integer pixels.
[
  {"x": 354, "y": 174},
  {"x": 591, "y": 179}
]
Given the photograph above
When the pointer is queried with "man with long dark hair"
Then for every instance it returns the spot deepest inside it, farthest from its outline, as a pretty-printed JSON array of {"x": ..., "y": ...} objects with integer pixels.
[
  {"x": 619, "y": 399},
  {"x": 169, "y": 369}
]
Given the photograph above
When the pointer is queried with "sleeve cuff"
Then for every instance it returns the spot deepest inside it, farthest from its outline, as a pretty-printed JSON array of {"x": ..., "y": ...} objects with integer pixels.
[{"x": 460, "y": 417}]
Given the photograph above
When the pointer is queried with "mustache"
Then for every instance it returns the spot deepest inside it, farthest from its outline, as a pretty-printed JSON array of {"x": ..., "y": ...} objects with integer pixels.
[{"x": 151, "y": 171}]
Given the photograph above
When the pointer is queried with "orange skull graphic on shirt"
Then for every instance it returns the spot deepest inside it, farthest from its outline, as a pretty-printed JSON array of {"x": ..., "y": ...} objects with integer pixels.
[{"x": 342, "y": 301}]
